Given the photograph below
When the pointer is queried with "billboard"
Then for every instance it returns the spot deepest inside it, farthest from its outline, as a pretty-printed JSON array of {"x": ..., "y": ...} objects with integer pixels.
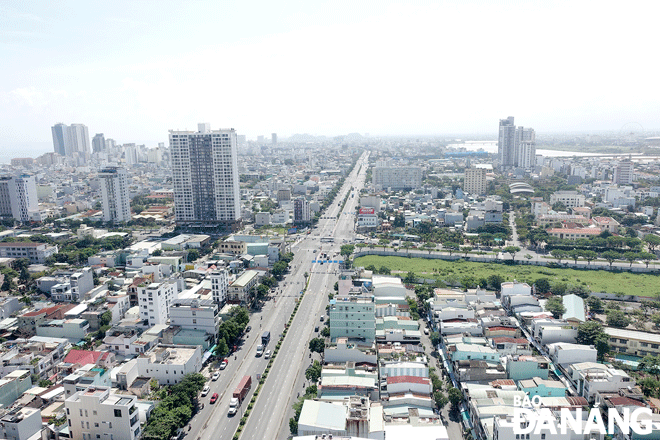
[
  {"x": 292, "y": 230},
  {"x": 367, "y": 210}
]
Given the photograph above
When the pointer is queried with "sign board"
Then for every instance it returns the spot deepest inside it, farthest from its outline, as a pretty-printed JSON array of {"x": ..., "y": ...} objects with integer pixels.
[
  {"x": 367, "y": 210},
  {"x": 292, "y": 230}
]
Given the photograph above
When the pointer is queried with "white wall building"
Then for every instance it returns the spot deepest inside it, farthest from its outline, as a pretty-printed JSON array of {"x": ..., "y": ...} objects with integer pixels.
[
  {"x": 20, "y": 423},
  {"x": 154, "y": 301},
  {"x": 475, "y": 181},
  {"x": 205, "y": 175},
  {"x": 397, "y": 177},
  {"x": 563, "y": 353},
  {"x": 570, "y": 199},
  {"x": 97, "y": 414},
  {"x": 169, "y": 363},
  {"x": 18, "y": 197},
  {"x": 219, "y": 286},
  {"x": 114, "y": 190},
  {"x": 195, "y": 314}
]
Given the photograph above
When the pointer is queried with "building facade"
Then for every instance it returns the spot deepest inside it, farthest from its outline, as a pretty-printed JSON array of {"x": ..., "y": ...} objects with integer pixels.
[
  {"x": 205, "y": 174},
  {"x": 18, "y": 197},
  {"x": 475, "y": 181},
  {"x": 397, "y": 177},
  {"x": 114, "y": 190},
  {"x": 98, "y": 414},
  {"x": 155, "y": 299}
]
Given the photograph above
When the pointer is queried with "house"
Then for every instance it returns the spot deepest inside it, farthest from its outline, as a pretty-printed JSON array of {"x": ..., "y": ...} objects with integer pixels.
[
  {"x": 28, "y": 322},
  {"x": 542, "y": 387},
  {"x": 356, "y": 416},
  {"x": 574, "y": 313},
  {"x": 526, "y": 367},
  {"x": 564, "y": 354}
]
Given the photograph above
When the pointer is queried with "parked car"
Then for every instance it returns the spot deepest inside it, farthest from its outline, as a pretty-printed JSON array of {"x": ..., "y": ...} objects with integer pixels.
[
  {"x": 248, "y": 328},
  {"x": 316, "y": 329},
  {"x": 223, "y": 364},
  {"x": 215, "y": 376},
  {"x": 214, "y": 397},
  {"x": 205, "y": 390},
  {"x": 267, "y": 354}
]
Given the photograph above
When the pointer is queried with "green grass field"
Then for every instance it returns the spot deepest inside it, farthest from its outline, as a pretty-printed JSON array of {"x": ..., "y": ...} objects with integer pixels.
[{"x": 597, "y": 280}]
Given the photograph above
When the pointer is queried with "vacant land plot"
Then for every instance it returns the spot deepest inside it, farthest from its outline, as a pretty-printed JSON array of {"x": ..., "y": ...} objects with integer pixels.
[{"x": 452, "y": 272}]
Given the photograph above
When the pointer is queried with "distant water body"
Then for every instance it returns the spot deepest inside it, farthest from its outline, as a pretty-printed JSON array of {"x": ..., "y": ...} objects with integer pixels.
[{"x": 491, "y": 147}]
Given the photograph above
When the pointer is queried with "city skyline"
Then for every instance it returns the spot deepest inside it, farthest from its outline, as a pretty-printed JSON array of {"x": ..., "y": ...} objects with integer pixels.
[{"x": 324, "y": 69}]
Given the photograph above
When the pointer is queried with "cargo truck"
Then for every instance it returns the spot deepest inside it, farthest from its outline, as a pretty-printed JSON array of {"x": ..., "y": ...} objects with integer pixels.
[{"x": 239, "y": 394}]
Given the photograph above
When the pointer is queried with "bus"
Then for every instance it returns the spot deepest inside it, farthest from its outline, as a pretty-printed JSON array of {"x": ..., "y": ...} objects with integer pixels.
[
  {"x": 265, "y": 338},
  {"x": 327, "y": 240}
]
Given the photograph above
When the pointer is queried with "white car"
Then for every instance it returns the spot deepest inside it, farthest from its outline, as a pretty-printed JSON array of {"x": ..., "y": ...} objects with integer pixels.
[
  {"x": 205, "y": 390},
  {"x": 267, "y": 354},
  {"x": 215, "y": 376}
]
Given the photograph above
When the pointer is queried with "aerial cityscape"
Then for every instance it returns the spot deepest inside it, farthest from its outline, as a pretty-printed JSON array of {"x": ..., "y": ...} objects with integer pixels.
[{"x": 224, "y": 221}]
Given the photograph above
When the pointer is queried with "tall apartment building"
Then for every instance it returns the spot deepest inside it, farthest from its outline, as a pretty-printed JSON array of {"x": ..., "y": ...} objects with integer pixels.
[
  {"x": 18, "y": 197},
  {"x": 98, "y": 414},
  {"x": 205, "y": 172},
  {"x": 516, "y": 146},
  {"x": 195, "y": 314},
  {"x": 219, "y": 286},
  {"x": 155, "y": 299},
  {"x": 69, "y": 140},
  {"x": 623, "y": 173},
  {"x": 475, "y": 181},
  {"x": 114, "y": 190},
  {"x": 273, "y": 138},
  {"x": 301, "y": 211},
  {"x": 570, "y": 199},
  {"x": 98, "y": 143},
  {"x": 397, "y": 177}
]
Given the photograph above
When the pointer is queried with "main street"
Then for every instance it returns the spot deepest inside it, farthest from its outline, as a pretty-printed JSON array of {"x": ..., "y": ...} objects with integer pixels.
[{"x": 270, "y": 413}]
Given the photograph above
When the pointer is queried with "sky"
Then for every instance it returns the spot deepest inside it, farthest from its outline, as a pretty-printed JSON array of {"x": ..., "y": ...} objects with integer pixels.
[{"x": 135, "y": 69}]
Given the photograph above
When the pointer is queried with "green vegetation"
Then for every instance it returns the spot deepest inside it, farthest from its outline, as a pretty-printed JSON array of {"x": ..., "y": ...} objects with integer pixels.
[
  {"x": 231, "y": 329},
  {"x": 175, "y": 408},
  {"x": 451, "y": 272},
  {"x": 592, "y": 333}
]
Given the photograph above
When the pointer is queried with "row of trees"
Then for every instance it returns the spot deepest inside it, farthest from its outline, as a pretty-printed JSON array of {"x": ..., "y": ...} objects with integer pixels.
[
  {"x": 610, "y": 256},
  {"x": 231, "y": 329}
]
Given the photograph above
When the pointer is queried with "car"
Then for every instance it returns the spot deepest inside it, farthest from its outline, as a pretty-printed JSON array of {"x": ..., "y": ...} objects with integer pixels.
[
  {"x": 215, "y": 376},
  {"x": 205, "y": 390},
  {"x": 260, "y": 350},
  {"x": 223, "y": 364},
  {"x": 267, "y": 354},
  {"x": 214, "y": 397},
  {"x": 248, "y": 328},
  {"x": 316, "y": 329},
  {"x": 322, "y": 319},
  {"x": 426, "y": 331}
]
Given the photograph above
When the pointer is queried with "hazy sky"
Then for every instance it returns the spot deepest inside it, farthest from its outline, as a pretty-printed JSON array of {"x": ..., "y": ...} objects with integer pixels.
[{"x": 134, "y": 69}]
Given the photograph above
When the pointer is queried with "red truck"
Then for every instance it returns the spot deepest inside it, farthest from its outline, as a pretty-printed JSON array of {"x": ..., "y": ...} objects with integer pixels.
[{"x": 239, "y": 394}]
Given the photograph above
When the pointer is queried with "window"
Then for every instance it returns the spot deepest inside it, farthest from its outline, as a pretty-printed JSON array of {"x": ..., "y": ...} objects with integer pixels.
[
  {"x": 94, "y": 412},
  {"x": 117, "y": 413}
]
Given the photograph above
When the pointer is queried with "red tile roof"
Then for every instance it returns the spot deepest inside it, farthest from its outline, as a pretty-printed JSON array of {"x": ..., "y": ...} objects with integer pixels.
[
  {"x": 83, "y": 357},
  {"x": 44, "y": 311},
  {"x": 408, "y": 379},
  {"x": 502, "y": 339}
]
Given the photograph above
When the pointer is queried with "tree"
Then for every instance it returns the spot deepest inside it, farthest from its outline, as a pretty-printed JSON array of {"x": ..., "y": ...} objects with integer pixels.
[
  {"x": 384, "y": 270},
  {"x": 589, "y": 255},
  {"x": 652, "y": 241},
  {"x": 630, "y": 257},
  {"x": 45, "y": 383},
  {"x": 655, "y": 319},
  {"x": 542, "y": 285},
  {"x": 559, "y": 206},
  {"x": 610, "y": 256},
  {"x": 435, "y": 338},
  {"x": 555, "y": 306},
  {"x": 511, "y": 250},
  {"x": 317, "y": 345},
  {"x": 221, "y": 348},
  {"x": 466, "y": 250},
  {"x": 558, "y": 288},
  {"x": 105, "y": 318},
  {"x": 346, "y": 250},
  {"x": 325, "y": 332},
  {"x": 455, "y": 396},
  {"x": 495, "y": 281},
  {"x": 157, "y": 253},
  {"x": 262, "y": 291},
  {"x": 592, "y": 333},
  {"x": 616, "y": 318},
  {"x": 579, "y": 290},
  {"x": 440, "y": 399},
  {"x": 409, "y": 278},
  {"x": 293, "y": 426},
  {"x": 558, "y": 254},
  {"x": 336, "y": 286},
  {"x": 646, "y": 257},
  {"x": 313, "y": 373},
  {"x": 450, "y": 246},
  {"x": 193, "y": 255},
  {"x": 595, "y": 304},
  {"x": 399, "y": 221},
  {"x": 574, "y": 254}
]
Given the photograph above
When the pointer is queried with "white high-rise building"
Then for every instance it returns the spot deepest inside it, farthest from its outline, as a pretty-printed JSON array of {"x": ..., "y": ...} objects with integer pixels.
[
  {"x": 397, "y": 177},
  {"x": 61, "y": 143},
  {"x": 79, "y": 137},
  {"x": 623, "y": 173},
  {"x": 98, "y": 143},
  {"x": 95, "y": 413},
  {"x": 114, "y": 190},
  {"x": 475, "y": 181},
  {"x": 18, "y": 197},
  {"x": 516, "y": 146},
  {"x": 525, "y": 147},
  {"x": 506, "y": 143},
  {"x": 155, "y": 299},
  {"x": 71, "y": 140},
  {"x": 219, "y": 286},
  {"x": 205, "y": 173}
]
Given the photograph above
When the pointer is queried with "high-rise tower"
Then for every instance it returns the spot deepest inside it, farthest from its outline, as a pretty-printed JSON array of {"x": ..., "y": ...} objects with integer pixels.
[{"x": 205, "y": 173}]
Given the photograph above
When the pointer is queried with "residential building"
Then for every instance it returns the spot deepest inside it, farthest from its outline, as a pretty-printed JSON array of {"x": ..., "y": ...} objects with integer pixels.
[
  {"x": 114, "y": 190},
  {"x": 633, "y": 342},
  {"x": 563, "y": 353},
  {"x": 301, "y": 211},
  {"x": 98, "y": 143},
  {"x": 18, "y": 198},
  {"x": 475, "y": 181},
  {"x": 574, "y": 233},
  {"x": 28, "y": 321},
  {"x": 525, "y": 148},
  {"x": 506, "y": 143},
  {"x": 624, "y": 173},
  {"x": 233, "y": 247},
  {"x": 71, "y": 140},
  {"x": 357, "y": 416},
  {"x": 542, "y": 387},
  {"x": 595, "y": 380},
  {"x": 20, "y": 423},
  {"x": 219, "y": 285},
  {"x": 98, "y": 414},
  {"x": 353, "y": 317},
  {"x": 61, "y": 143},
  {"x": 205, "y": 176},
  {"x": 241, "y": 291},
  {"x": 397, "y": 177},
  {"x": 527, "y": 367},
  {"x": 13, "y": 385},
  {"x": 195, "y": 314},
  {"x": 74, "y": 330},
  {"x": 169, "y": 363},
  {"x": 367, "y": 219},
  {"x": 418, "y": 368},
  {"x": 154, "y": 301},
  {"x": 570, "y": 199}
]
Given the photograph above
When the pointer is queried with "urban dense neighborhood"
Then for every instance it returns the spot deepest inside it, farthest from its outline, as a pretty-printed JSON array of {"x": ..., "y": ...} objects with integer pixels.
[{"x": 215, "y": 287}]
